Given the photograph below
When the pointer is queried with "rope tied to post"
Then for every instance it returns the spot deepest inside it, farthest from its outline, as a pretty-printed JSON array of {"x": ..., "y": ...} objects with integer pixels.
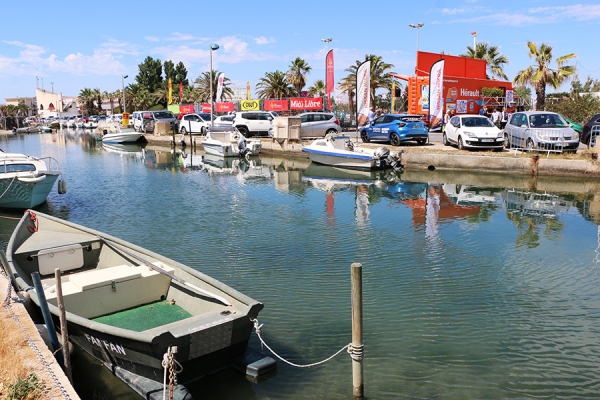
[
  {"x": 356, "y": 352},
  {"x": 257, "y": 329}
]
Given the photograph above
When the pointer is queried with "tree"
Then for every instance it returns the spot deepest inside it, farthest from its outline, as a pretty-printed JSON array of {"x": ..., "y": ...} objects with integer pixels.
[
  {"x": 542, "y": 74},
  {"x": 579, "y": 104},
  {"x": 296, "y": 75},
  {"x": 492, "y": 56},
  {"x": 150, "y": 75},
  {"x": 348, "y": 85},
  {"x": 86, "y": 97},
  {"x": 317, "y": 89},
  {"x": 110, "y": 96},
  {"x": 204, "y": 84},
  {"x": 169, "y": 69},
  {"x": 274, "y": 85},
  {"x": 181, "y": 74},
  {"x": 379, "y": 74}
]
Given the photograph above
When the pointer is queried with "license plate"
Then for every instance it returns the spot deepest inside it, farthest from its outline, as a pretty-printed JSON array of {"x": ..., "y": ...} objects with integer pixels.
[
  {"x": 487, "y": 140},
  {"x": 415, "y": 127}
]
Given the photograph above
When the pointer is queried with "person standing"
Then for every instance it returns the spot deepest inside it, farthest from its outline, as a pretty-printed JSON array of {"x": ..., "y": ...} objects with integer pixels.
[
  {"x": 496, "y": 117},
  {"x": 504, "y": 118}
]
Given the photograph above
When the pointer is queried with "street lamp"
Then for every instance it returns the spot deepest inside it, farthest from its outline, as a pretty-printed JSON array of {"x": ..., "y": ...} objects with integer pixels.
[
  {"x": 474, "y": 33},
  {"x": 417, "y": 26},
  {"x": 328, "y": 40},
  {"x": 123, "y": 77},
  {"x": 213, "y": 47}
]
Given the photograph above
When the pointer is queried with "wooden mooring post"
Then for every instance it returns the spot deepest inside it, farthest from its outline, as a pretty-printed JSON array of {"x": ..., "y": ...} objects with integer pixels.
[
  {"x": 64, "y": 334},
  {"x": 358, "y": 388}
]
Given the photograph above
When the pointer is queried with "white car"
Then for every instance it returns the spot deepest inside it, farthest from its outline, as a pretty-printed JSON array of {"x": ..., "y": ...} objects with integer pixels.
[
  {"x": 472, "y": 131},
  {"x": 251, "y": 123},
  {"x": 197, "y": 123},
  {"x": 224, "y": 120}
]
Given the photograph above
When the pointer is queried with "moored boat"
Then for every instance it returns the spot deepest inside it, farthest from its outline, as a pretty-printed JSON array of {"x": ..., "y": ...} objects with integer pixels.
[
  {"x": 26, "y": 181},
  {"x": 228, "y": 142},
  {"x": 109, "y": 133},
  {"x": 128, "y": 306},
  {"x": 340, "y": 151}
]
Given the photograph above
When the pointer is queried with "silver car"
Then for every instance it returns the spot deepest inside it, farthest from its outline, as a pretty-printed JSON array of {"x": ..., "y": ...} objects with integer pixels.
[
  {"x": 540, "y": 130},
  {"x": 318, "y": 124}
]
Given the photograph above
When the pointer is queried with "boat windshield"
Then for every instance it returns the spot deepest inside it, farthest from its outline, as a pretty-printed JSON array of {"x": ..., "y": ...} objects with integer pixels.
[{"x": 17, "y": 167}]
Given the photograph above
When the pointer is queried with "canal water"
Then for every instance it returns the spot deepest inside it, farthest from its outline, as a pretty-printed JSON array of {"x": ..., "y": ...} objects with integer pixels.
[{"x": 475, "y": 286}]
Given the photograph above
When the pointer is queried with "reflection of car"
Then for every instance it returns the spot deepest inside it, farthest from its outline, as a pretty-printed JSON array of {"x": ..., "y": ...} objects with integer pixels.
[
  {"x": 396, "y": 128},
  {"x": 471, "y": 131},
  {"x": 587, "y": 128},
  {"x": 194, "y": 123},
  {"x": 250, "y": 123},
  {"x": 318, "y": 124},
  {"x": 540, "y": 130}
]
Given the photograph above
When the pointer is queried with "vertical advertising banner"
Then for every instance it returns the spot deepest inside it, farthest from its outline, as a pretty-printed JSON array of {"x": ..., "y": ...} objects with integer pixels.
[
  {"x": 393, "y": 96},
  {"x": 329, "y": 78},
  {"x": 181, "y": 92},
  {"x": 436, "y": 96},
  {"x": 170, "y": 92},
  {"x": 220, "y": 86},
  {"x": 248, "y": 90},
  {"x": 363, "y": 93}
]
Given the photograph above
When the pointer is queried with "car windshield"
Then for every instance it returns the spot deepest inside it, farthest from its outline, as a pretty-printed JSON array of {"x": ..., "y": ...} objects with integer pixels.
[
  {"x": 163, "y": 114},
  {"x": 547, "y": 121},
  {"x": 477, "y": 122}
]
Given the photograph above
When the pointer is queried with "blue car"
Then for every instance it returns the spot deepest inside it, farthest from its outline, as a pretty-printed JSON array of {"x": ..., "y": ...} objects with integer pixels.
[{"x": 396, "y": 128}]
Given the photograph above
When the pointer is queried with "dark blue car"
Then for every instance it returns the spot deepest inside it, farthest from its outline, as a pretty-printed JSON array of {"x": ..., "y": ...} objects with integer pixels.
[{"x": 396, "y": 128}]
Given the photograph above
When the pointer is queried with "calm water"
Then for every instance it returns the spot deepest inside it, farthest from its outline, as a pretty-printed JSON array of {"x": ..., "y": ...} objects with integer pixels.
[{"x": 474, "y": 286}]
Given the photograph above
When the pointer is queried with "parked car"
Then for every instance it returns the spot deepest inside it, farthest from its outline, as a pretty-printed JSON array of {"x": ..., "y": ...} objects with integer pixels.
[
  {"x": 471, "y": 131},
  {"x": 587, "y": 129},
  {"x": 577, "y": 127},
  {"x": 251, "y": 123},
  {"x": 540, "y": 130},
  {"x": 145, "y": 120},
  {"x": 318, "y": 124},
  {"x": 196, "y": 123},
  {"x": 395, "y": 129},
  {"x": 224, "y": 120}
]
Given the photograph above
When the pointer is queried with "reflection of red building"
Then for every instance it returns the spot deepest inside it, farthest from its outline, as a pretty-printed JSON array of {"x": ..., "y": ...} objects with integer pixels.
[
  {"x": 448, "y": 210},
  {"x": 463, "y": 80}
]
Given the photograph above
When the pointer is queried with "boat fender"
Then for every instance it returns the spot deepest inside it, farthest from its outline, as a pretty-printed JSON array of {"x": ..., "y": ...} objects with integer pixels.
[{"x": 62, "y": 186}]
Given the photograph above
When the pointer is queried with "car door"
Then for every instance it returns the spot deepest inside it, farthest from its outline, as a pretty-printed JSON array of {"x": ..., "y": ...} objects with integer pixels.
[
  {"x": 306, "y": 125},
  {"x": 452, "y": 129},
  {"x": 512, "y": 129},
  {"x": 264, "y": 122},
  {"x": 379, "y": 129}
]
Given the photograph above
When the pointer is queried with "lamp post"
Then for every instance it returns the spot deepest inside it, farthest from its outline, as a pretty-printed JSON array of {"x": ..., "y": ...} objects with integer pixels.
[
  {"x": 123, "y": 77},
  {"x": 213, "y": 47},
  {"x": 417, "y": 26},
  {"x": 474, "y": 40},
  {"x": 328, "y": 40}
]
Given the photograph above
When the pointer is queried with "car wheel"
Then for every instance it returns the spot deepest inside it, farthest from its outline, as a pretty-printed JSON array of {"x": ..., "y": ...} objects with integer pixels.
[
  {"x": 243, "y": 131},
  {"x": 331, "y": 132},
  {"x": 461, "y": 145},
  {"x": 364, "y": 136},
  {"x": 529, "y": 144},
  {"x": 421, "y": 142},
  {"x": 445, "y": 140},
  {"x": 183, "y": 131},
  {"x": 394, "y": 139},
  {"x": 506, "y": 141}
]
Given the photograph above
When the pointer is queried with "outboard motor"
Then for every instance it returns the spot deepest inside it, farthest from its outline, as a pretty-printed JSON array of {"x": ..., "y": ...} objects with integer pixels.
[
  {"x": 242, "y": 146},
  {"x": 382, "y": 152}
]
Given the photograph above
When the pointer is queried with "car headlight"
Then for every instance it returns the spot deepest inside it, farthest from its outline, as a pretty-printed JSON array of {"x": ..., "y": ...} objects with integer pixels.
[
  {"x": 499, "y": 135},
  {"x": 470, "y": 134},
  {"x": 575, "y": 136}
]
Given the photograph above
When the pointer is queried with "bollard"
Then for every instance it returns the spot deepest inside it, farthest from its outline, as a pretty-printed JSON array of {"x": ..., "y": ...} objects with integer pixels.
[
  {"x": 358, "y": 388},
  {"x": 63, "y": 325}
]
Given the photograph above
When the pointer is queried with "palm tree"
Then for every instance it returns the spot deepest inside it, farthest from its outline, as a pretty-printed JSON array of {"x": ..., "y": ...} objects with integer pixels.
[
  {"x": 203, "y": 88},
  {"x": 348, "y": 85},
  {"x": 541, "y": 74},
  {"x": 317, "y": 89},
  {"x": 274, "y": 85},
  {"x": 379, "y": 74},
  {"x": 491, "y": 55},
  {"x": 296, "y": 75},
  {"x": 110, "y": 96},
  {"x": 86, "y": 98}
]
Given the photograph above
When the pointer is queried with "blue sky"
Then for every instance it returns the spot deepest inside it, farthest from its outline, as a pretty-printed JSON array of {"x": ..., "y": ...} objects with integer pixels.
[{"x": 72, "y": 45}]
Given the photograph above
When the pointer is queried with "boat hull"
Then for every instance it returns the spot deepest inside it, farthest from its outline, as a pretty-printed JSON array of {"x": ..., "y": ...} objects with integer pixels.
[
  {"x": 343, "y": 160},
  {"x": 214, "y": 332},
  {"x": 122, "y": 137},
  {"x": 23, "y": 193}
]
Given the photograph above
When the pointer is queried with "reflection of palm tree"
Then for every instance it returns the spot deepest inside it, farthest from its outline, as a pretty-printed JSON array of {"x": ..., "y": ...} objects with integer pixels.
[
  {"x": 528, "y": 233},
  {"x": 541, "y": 74},
  {"x": 494, "y": 59}
]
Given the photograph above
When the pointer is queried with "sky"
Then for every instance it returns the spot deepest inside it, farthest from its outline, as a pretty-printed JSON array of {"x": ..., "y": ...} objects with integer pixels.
[{"x": 66, "y": 46}]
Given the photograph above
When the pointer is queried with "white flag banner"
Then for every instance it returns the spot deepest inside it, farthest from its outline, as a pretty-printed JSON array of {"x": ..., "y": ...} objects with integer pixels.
[
  {"x": 363, "y": 93},
  {"x": 220, "y": 86},
  {"x": 436, "y": 94}
]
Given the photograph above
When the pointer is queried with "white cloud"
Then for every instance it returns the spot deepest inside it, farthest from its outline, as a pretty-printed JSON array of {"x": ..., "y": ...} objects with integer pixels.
[
  {"x": 264, "y": 40},
  {"x": 151, "y": 38}
]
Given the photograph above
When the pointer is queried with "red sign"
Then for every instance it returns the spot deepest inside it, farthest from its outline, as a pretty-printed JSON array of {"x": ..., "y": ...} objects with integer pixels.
[
  {"x": 306, "y": 103},
  {"x": 224, "y": 106},
  {"x": 186, "y": 108},
  {"x": 180, "y": 92},
  {"x": 329, "y": 79},
  {"x": 205, "y": 107},
  {"x": 275, "y": 105}
]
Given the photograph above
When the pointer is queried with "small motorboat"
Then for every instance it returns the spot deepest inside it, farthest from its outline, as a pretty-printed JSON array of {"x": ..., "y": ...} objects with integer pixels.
[
  {"x": 225, "y": 141},
  {"x": 26, "y": 181},
  {"x": 109, "y": 133},
  {"x": 128, "y": 306},
  {"x": 340, "y": 151}
]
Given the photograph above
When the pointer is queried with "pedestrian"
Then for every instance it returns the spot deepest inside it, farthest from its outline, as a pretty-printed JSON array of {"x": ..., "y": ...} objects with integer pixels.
[
  {"x": 496, "y": 117},
  {"x": 504, "y": 118},
  {"x": 371, "y": 116}
]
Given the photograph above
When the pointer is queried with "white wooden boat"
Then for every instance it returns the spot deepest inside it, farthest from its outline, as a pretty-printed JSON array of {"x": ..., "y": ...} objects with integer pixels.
[
  {"x": 340, "y": 151},
  {"x": 111, "y": 133},
  {"x": 227, "y": 142},
  {"x": 126, "y": 305},
  {"x": 26, "y": 181}
]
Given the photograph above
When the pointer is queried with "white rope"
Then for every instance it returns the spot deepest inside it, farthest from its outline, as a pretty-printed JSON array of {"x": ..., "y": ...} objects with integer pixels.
[
  {"x": 9, "y": 185},
  {"x": 258, "y": 333}
]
